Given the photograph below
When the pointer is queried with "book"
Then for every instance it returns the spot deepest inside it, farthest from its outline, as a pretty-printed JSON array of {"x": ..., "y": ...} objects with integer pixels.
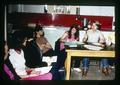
[{"x": 74, "y": 43}]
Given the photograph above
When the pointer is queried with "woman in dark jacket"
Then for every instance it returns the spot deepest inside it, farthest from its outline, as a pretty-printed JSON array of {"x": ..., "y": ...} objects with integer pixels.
[{"x": 36, "y": 49}]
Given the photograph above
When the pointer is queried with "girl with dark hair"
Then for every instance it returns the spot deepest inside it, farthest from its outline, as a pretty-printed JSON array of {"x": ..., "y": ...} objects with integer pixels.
[
  {"x": 72, "y": 33},
  {"x": 70, "y": 36}
]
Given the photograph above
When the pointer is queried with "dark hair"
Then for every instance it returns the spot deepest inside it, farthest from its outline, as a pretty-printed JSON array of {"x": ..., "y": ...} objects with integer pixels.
[
  {"x": 16, "y": 40},
  {"x": 99, "y": 26},
  {"x": 77, "y": 31},
  {"x": 38, "y": 28},
  {"x": 28, "y": 32}
]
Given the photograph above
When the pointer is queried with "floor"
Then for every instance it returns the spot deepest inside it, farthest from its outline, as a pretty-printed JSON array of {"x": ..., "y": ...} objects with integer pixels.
[{"x": 94, "y": 73}]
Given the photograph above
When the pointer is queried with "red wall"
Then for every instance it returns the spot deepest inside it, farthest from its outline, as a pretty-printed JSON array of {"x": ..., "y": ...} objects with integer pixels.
[{"x": 59, "y": 19}]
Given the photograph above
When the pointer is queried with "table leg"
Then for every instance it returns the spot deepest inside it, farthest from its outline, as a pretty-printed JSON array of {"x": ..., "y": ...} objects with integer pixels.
[{"x": 68, "y": 65}]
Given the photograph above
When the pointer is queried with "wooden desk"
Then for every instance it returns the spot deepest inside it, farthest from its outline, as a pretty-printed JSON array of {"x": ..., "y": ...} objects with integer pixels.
[{"x": 84, "y": 53}]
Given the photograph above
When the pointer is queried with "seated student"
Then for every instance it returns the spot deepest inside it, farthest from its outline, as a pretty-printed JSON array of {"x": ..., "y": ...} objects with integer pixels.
[
  {"x": 69, "y": 36},
  {"x": 42, "y": 42},
  {"x": 37, "y": 48},
  {"x": 16, "y": 56},
  {"x": 93, "y": 35}
]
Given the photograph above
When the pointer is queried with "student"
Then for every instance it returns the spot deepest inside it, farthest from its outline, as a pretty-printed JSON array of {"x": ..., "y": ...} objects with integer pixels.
[
  {"x": 42, "y": 42},
  {"x": 69, "y": 36},
  {"x": 93, "y": 35},
  {"x": 38, "y": 48}
]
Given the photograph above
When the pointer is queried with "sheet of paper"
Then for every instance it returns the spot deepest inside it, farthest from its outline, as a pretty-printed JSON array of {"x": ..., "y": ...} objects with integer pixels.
[
  {"x": 46, "y": 59},
  {"x": 54, "y": 59},
  {"x": 43, "y": 70},
  {"x": 49, "y": 59},
  {"x": 91, "y": 47}
]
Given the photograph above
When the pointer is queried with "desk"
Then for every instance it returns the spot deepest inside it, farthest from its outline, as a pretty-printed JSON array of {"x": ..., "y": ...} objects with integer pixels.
[{"x": 84, "y": 53}]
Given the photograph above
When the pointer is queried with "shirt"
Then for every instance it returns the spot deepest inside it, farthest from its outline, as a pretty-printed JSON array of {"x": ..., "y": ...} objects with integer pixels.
[
  {"x": 18, "y": 61},
  {"x": 62, "y": 46},
  {"x": 94, "y": 36}
]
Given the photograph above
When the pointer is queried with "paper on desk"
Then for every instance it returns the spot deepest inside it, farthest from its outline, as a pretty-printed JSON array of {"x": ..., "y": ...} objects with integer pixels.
[{"x": 91, "y": 47}]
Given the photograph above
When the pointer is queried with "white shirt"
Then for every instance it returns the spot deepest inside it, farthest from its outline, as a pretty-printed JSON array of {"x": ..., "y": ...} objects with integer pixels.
[
  {"x": 94, "y": 36},
  {"x": 18, "y": 61}
]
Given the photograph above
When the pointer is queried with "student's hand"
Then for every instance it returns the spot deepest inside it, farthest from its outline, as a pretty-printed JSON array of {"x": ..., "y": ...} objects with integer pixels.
[
  {"x": 102, "y": 45},
  {"x": 35, "y": 72},
  {"x": 43, "y": 45}
]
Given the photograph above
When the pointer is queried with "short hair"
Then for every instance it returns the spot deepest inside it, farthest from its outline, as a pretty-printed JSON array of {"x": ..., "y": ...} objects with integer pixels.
[
  {"x": 98, "y": 25},
  {"x": 15, "y": 41}
]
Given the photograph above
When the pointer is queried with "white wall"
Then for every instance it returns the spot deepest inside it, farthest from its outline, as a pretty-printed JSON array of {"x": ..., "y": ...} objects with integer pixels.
[
  {"x": 84, "y": 10},
  {"x": 33, "y": 8},
  {"x": 53, "y": 33},
  {"x": 97, "y": 10}
]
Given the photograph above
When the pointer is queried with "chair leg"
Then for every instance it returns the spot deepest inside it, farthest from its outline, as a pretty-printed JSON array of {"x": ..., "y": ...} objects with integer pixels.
[{"x": 99, "y": 65}]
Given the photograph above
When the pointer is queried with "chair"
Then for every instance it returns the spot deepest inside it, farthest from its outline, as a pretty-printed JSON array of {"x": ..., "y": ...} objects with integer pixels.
[
  {"x": 47, "y": 76},
  {"x": 60, "y": 53}
]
